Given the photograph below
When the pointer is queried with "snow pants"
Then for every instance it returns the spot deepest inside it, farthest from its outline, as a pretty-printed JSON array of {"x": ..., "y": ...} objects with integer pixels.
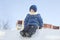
[{"x": 30, "y": 30}]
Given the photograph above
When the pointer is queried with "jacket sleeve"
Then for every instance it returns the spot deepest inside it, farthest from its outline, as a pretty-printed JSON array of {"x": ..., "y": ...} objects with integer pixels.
[
  {"x": 40, "y": 21},
  {"x": 26, "y": 20}
]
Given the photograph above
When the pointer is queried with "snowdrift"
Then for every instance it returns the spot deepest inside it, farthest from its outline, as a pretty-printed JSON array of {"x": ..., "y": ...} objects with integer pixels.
[{"x": 42, "y": 34}]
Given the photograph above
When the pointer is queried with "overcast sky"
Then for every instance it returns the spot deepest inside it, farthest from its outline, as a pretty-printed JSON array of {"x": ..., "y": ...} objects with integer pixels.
[{"x": 13, "y": 10}]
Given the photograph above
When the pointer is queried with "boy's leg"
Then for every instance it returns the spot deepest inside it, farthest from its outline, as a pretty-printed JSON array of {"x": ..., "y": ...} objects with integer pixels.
[
  {"x": 31, "y": 31},
  {"x": 23, "y": 32},
  {"x": 28, "y": 31}
]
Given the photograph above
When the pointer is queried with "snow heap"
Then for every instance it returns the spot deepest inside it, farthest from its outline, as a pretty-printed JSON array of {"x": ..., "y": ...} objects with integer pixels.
[{"x": 42, "y": 34}]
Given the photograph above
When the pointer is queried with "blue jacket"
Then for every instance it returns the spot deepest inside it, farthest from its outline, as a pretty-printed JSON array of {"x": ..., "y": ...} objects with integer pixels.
[{"x": 35, "y": 20}]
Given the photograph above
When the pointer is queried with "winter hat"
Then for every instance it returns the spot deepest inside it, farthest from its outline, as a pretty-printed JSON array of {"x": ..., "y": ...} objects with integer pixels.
[{"x": 33, "y": 7}]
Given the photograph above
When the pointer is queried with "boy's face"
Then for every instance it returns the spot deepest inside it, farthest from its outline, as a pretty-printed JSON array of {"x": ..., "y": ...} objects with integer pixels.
[{"x": 32, "y": 11}]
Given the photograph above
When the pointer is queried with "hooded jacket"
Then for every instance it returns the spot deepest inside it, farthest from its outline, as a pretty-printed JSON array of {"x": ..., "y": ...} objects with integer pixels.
[{"x": 34, "y": 20}]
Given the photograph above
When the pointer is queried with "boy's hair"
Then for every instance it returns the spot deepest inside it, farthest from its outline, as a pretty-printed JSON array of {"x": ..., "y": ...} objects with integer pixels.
[{"x": 33, "y": 7}]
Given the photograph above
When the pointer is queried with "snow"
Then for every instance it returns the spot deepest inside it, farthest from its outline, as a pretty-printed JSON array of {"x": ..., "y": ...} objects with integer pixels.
[
  {"x": 42, "y": 34},
  {"x": 2, "y": 33}
]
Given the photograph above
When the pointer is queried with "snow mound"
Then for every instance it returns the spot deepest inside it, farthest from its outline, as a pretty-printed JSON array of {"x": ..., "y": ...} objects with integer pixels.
[{"x": 42, "y": 34}]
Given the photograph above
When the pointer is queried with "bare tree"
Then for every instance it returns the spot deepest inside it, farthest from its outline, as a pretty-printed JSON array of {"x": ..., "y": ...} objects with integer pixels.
[
  {"x": 0, "y": 24},
  {"x": 5, "y": 25}
]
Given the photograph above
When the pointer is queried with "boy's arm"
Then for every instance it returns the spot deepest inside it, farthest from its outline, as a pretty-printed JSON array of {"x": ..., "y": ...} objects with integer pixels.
[
  {"x": 40, "y": 22},
  {"x": 26, "y": 20}
]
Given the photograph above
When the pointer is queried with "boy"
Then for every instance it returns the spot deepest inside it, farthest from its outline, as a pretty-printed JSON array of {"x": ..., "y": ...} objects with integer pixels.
[{"x": 32, "y": 22}]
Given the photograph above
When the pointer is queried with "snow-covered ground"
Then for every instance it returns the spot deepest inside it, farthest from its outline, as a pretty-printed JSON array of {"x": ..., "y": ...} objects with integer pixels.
[{"x": 42, "y": 34}]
